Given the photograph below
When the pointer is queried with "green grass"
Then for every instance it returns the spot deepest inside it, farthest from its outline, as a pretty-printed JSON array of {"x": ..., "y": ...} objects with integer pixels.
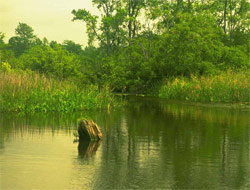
[
  {"x": 225, "y": 87},
  {"x": 32, "y": 92}
]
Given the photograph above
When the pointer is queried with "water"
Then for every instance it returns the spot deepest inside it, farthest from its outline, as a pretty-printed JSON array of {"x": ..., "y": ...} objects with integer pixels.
[{"x": 151, "y": 144}]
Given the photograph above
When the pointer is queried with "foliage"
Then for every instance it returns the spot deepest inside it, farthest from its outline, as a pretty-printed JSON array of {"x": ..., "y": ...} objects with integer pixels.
[
  {"x": 195, "y": 46},
  {"x": 5, "y": 67},
  {"x": 24, "y": 39},
  {"x": 6, "y": 54},
  {"x": 72, "y": 47},
  {"x": 32, "y": 92},
  {"x": 128, "y": 71},
  {"x": 224, "y": 87},
  {"x": 118, "y": 23},
  {"x": 135, "y": 45},
  {"x": 55, "y": 62}
]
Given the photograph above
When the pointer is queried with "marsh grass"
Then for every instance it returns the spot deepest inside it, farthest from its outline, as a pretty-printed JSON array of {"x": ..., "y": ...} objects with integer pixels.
[
  {"x": 32, "y": 92},
  {"x": 225, "y": 87}
]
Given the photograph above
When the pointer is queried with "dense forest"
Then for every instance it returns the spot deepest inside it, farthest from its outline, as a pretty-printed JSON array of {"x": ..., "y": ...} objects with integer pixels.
[{"x": 142, "y": 46}]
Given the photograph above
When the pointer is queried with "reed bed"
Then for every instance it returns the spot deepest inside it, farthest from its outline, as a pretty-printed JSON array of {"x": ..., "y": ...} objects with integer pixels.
[
  {"x": 226, "y": 87},
  {"x": 32, "y": 92}
]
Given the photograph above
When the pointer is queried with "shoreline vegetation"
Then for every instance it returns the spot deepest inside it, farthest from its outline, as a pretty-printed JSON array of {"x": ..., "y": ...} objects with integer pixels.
[
  {"x": 227, "y": 87},
  {"x": 23, "y": 91},
  {"x": 31, "y": 92},
  {"x": 193, "y": 51}
]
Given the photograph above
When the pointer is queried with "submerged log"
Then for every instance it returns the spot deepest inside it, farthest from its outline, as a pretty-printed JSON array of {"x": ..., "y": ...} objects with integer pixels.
[{"x": 88, "y": 130}]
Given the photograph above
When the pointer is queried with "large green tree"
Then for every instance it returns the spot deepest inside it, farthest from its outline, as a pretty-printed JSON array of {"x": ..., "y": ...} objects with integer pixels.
[
  {"x": 119, "y": 22},
  {"x": 109, "y": 32},
  {"x": 24, "y": 39}
]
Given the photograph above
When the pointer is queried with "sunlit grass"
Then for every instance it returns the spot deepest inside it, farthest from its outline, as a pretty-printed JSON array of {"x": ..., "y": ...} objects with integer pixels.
[
  {"x": 225, "y": 87},
  {"x": 32, "y": 92}
]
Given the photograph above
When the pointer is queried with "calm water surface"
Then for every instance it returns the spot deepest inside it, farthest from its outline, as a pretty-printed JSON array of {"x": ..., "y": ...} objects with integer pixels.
[{"x": 151, "y": 144}]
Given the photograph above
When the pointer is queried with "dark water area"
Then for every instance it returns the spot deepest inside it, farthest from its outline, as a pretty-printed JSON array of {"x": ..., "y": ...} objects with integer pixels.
[{"x": 150, "y": 144}]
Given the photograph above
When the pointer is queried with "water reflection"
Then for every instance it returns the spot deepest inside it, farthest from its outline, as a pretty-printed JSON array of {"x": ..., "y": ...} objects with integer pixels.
[
  {"x": 150, "y": 144},
  {"x": 87, "y": 149},
  {"x": 162, "y": 145}
]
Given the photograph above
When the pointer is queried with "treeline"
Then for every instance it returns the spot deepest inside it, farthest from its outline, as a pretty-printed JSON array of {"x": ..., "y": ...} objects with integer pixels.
[{"x": 135, "y": 45}]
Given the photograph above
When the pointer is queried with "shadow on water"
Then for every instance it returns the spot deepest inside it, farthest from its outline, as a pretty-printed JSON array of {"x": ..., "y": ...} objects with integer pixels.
[{"x": 87, "y": 149}]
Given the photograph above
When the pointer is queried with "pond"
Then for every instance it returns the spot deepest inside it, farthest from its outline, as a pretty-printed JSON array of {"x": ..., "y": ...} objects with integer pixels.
[{"x": 150, "y": 144}]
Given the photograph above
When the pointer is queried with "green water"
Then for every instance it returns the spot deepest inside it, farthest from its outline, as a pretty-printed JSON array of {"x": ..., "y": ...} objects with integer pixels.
[{"x": 151, "y": 144}]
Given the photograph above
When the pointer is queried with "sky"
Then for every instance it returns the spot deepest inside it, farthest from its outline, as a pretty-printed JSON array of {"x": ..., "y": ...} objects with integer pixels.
[{"x": 48, "y": 18}]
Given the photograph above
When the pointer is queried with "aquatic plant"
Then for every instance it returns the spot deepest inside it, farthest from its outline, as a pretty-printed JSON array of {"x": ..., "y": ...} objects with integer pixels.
[
  {"x": 225, "y": 87},
  {"x": 32, "y": 92}
]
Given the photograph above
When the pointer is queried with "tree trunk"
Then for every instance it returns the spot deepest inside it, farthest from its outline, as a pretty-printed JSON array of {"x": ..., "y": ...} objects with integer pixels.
[{"x": 225, "y": 17}]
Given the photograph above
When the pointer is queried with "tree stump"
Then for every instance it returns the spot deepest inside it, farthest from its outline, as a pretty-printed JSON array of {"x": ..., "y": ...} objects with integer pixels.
[{"x": 88, "y": 130}]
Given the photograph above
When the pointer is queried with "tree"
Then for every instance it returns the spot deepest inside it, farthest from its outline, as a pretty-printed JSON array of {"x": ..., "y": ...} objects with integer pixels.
[
  {"x": 110, "y": 32},
  {"x": 133, "y": 8},
  {"x": 119, "y": 22},
  {"x": 194, "y": 45},
  {"x": 72, "y": 47},
  {"x": 24, "y": 39},
  {"x": 6, "y": 54},
  {"x": 56, "y": 62},
  {"x": 2, "y": 44}
]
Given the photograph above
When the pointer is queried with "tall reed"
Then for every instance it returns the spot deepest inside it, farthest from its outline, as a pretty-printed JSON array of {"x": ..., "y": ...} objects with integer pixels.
[
  {"x": 32, "y": 92},
  {"x": 225, "y": 87}
]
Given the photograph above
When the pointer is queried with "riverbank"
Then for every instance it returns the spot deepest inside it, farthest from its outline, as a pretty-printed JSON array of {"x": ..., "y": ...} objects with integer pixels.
[
  {"x": 23, "y": 91},
  {"x": 227, "y": 87},
  {"x": 31, "y": 92}
]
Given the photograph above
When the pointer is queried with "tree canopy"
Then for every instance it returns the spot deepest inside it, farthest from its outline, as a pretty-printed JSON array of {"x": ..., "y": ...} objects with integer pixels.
[{"x": 134, "y": 45}]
